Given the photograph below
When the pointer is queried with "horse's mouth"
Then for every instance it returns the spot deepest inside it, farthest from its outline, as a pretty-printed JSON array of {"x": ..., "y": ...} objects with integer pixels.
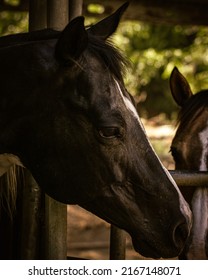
[{"x": 145, "y": 249}]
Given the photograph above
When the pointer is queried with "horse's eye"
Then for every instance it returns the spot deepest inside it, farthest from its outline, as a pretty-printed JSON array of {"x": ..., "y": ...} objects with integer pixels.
[{"x": 109, "y": 132}]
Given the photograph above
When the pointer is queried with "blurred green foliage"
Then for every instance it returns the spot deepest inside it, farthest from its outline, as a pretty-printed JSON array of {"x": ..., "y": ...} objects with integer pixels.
[
  {"x": 153, "y": 51},
  {"x": 13, "y": 22}
]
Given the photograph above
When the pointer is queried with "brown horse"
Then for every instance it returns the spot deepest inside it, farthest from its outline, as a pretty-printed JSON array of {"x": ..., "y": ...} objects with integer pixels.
[{"x": 190, "y": 152}]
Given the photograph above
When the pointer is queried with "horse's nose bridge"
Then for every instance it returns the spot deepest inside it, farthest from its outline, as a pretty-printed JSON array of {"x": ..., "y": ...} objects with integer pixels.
[
  {"x": 184, "y": 207},
  {"x": 156, "y": 176},
  {"x": 181, "y": 220}
]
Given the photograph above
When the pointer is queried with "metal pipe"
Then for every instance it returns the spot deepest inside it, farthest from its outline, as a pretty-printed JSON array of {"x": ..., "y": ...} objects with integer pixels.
[
  {"x": 56, "y": 229},
  {"x": 55, "y": 212},
  {"x": 58, "y": 15},
  {"x": 117, "y": 243},
  {"x": 37, "y": 14},
  {"x": 31, "y": 222},
  {"x": 75, "y": 8},
  {"x": 190, "y": 178}
]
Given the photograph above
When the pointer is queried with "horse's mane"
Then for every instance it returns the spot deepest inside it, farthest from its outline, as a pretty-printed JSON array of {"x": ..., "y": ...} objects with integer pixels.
[
  {"x": 111, "y": 56},
  {"x": 8, "y": 190},
  {"x": 8, "y": 181},
  {"x": 105, "y": 50},
  {"x": 22, "y": 38},
  {"x": 193, "y": 108}
]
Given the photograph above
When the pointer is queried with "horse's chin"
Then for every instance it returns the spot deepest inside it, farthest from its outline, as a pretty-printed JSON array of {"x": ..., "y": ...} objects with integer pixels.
[
  {"x": 148, "y": 251},
  {"x": 144, "y": 249}
]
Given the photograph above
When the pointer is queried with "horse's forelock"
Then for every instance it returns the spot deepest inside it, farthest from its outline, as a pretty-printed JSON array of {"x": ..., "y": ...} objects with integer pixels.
[{"x": 112, "y": 58}]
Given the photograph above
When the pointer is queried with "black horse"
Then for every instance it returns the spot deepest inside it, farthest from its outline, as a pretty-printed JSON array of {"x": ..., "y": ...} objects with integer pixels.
[
  {"x": 190, "y": 152},
  {"x": 66, "y": 115}
]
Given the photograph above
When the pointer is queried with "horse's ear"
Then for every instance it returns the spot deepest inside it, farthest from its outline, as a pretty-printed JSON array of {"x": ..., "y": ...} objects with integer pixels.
[
  {"x": 106, "y": 27},
  {"x": 72, "y": 42},
  {"x": 179, "y": 87}
]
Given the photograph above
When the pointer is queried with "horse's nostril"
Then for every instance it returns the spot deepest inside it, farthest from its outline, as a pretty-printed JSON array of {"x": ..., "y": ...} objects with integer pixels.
[{"x": 180, "y": 235}]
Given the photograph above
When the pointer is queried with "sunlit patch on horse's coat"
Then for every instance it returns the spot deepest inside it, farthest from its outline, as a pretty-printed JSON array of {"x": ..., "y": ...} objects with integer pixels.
[
  {"x": 203, "y": 136},
  {"x": 184, "y": 208},
  {"x": 197, "y": 249},
  {"x": 128, "y": 103}
]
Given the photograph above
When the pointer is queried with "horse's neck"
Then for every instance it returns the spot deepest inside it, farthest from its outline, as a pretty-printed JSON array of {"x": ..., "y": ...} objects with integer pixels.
[{"x": 22, "y": 38}]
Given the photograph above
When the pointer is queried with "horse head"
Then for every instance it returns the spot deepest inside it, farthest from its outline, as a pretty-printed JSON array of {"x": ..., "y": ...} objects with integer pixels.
[{"x": 74, "y": 125}]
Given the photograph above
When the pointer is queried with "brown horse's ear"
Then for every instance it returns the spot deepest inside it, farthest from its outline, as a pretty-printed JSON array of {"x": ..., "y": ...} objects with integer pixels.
[
  {"x": 179, "y": 87},
  {"x": 72, "y": 42},
  {"x": 106, "y": 27}
]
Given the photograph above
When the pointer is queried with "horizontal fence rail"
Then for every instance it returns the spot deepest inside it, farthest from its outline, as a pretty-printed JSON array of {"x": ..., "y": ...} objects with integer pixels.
[{"x": 189, "y": 178}]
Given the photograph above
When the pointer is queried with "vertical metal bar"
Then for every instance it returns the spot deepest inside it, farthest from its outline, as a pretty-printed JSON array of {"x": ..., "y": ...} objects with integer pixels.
[
  {"x": 75, "y": 8},
  {"x": 117, "y": 243},
  {"x": 56, "y": 229},
  {"x": 56, "y": 213},
  {"x": 31, "y": 204},
  {"x": 37, "y": 14},
  {"x": 58, "y": 14}
]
